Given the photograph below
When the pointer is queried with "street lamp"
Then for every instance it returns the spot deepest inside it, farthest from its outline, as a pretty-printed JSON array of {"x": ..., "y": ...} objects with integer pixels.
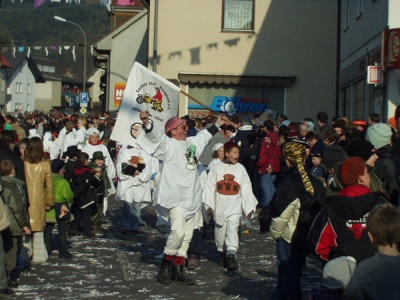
[{"x": 84, "y": 54}]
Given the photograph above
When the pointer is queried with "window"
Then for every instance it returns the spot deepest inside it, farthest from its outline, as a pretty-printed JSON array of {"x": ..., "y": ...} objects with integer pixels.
[
  {"x": 359, "y": 99},
  {"x": 46, "y": 68},
  {"x": 3, "y": 85},
  {"x": 29, "y": 88},
  {"x": 18, "y": 88},
  {"x": 345, "y": 100},
  {"x": 238, "y": 15}
]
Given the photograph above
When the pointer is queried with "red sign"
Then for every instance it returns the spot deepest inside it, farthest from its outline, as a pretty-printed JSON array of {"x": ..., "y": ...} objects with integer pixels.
[
  {"x": 119, "y": 93},
  {"x": 391, "y": 49}
]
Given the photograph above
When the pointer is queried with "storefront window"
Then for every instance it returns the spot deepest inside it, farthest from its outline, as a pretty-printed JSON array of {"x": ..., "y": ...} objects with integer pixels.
[
  {"x": 345, "y": 100},
  {"x": 359, "y": 99}
]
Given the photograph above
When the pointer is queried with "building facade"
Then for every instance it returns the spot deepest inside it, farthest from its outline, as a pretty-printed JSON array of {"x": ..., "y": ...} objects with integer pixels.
[
  {"x": 277, "y": 55},
  {"x": 363, "y": 25},
  {"x": 21, "y": 82}
]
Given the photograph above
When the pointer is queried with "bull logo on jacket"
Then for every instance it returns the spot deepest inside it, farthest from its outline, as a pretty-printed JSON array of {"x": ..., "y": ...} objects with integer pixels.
[
  {"x": 357, "y": 226},
  {"x": 228, "y": 186}
]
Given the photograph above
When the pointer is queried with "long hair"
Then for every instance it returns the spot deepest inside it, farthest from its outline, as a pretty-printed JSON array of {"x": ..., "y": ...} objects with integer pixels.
[{"x": 34, "y": 153}]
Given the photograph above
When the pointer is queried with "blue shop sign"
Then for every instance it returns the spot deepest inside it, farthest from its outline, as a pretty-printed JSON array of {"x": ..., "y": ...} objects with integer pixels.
[{"x": 235, "y": 104}]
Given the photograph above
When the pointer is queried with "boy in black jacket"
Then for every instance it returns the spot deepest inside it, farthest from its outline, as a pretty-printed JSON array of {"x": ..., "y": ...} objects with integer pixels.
[
  {"x": 340, "y": 228},
  {"x": 86, "y": 182}
]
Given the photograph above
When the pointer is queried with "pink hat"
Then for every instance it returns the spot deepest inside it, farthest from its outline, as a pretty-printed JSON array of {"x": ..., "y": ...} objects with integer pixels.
[{"x": 173, "y": 123}]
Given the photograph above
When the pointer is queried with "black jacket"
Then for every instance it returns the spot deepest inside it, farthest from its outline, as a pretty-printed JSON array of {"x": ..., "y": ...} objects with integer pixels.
[
  {"x": 292, "y": 190},
  {"x": 85, "y": 186},
  {"x": 7, "y": 153},
  {"x": 387, "y": 168},
  {"x": 340, "y": 227}
]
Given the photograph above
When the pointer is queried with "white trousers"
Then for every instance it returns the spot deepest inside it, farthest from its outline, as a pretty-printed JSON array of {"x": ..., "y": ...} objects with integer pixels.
[
  {"x": 227, "y": 234},
  {"x": 180, "y": 235}
]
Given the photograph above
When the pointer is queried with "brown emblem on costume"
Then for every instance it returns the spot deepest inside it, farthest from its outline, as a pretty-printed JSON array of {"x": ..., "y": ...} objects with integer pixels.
[
  {"x": 228, "y": 186},
  {"x": 136, "y": 160}
]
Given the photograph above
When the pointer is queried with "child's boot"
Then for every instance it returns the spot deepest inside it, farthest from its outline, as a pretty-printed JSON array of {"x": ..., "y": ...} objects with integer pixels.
[{"x": 231, "y": 262}]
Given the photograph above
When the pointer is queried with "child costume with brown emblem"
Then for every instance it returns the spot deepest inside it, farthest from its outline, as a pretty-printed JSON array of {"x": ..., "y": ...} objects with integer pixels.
[{"x": 228, "y": 194}]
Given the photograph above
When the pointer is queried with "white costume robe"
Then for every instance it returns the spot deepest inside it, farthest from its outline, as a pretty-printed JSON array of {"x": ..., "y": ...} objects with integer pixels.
[
  {"x": 49, "y": 146},
  {"x": 177, "y": 186},
  {"x": 229, "y": 194},
  {"x": 227, "y": 205},
  {"x": 65, "y": 140},
  {"x": 80, "y": 137},
  {"x": 135, "y": 188}
]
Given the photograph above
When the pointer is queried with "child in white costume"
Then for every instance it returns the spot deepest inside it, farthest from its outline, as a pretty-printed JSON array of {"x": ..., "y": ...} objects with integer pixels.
[
  {"x": 228, "y": 194},
  {"x": 134, "y": 185}
]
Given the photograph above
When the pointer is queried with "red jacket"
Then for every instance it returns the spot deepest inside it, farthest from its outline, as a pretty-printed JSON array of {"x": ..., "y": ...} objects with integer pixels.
[{"x": 270, "y": 154}]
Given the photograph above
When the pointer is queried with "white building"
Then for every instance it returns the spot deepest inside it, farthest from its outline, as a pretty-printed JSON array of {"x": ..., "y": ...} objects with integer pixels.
[{"x": 21, "y": 80}]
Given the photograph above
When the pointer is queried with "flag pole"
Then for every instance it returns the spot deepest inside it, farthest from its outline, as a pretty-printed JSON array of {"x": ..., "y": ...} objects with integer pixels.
[
  {"x": 199, "y": 102},
  {"x": 205, "y": 106}
]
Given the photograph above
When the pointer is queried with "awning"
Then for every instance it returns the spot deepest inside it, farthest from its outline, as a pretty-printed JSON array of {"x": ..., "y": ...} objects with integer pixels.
[{"x": 196, "y": 78}]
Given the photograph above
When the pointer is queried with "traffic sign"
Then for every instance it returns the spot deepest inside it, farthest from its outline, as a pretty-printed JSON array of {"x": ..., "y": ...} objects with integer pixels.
[
  {"x": 83, "y": 110},
  {"x": 84, "y": 99}
]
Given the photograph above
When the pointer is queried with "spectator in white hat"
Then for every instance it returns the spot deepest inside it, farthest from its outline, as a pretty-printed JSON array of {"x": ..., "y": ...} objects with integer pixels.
[
  {"x": 218, "y": 155},
  {"x": 387, "y": 167}
]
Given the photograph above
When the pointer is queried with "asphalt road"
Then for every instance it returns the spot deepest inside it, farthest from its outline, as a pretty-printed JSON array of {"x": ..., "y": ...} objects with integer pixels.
[{"x": 118, "y": 266}]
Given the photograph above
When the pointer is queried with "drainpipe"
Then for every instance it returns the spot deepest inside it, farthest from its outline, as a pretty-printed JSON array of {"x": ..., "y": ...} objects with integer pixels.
[
  {"x": 155, "y": 38},
  {"x": 147, "y": 5},
  {"x": 339, "y": 20}
]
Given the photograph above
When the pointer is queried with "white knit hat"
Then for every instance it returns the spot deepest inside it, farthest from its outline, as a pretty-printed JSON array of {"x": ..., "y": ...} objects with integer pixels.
[
  {"x": 379, "y": 135},
  {"x": 91, "y": 131},
  {"x": 217, "y": 146}
]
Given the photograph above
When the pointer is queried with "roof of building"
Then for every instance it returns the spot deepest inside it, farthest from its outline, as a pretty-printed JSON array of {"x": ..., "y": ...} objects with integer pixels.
[
  {"x": 4, "y": 62},
  {"x": 17, "y": 59}
]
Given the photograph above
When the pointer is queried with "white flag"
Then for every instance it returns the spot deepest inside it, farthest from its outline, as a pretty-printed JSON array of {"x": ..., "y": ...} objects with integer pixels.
[{"x": 145, "y": 90}]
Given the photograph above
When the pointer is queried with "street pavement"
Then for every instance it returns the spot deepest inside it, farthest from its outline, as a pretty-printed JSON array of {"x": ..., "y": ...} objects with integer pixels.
[{"x": 118, "y": 266}]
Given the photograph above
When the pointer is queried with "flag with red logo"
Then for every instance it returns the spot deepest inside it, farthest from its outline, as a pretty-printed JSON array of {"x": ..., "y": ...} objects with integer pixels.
[{"x": 145, "y": 90}]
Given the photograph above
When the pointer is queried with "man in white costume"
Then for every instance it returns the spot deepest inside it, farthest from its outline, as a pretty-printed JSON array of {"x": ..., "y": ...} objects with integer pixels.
[
  {"x": 66, "y": 138},
  {"x": 134, "y": 169},
  {"x": 91, "y": 147},
  {"x": 49, "y": 145},
  {"x": 80, "y": 135},
  {"x": 178, "y": 192}
]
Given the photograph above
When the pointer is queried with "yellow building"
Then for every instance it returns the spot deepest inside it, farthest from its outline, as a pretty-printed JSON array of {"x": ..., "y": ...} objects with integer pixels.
[{"x": 271, "y": 54}]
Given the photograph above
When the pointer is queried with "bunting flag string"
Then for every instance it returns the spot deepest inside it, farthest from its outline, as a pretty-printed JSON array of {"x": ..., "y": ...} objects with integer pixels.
[
  {"x": 107, "y": 3},
  {"x": 32, "y": 50}
]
